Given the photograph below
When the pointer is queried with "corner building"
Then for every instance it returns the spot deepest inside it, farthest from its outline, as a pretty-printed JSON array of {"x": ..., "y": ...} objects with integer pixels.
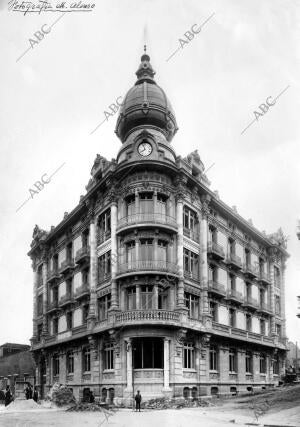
[{"x": 152, "y": 282}]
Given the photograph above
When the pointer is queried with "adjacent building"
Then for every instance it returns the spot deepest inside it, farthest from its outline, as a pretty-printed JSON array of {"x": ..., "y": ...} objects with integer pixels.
[{"x": 152, "y": 282}]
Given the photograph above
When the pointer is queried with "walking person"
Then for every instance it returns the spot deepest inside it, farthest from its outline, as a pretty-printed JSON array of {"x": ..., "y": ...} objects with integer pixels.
[
  {"x": 8, "y": 396},
  {"x": 138, "y": 399},
  {"x": 35, "y": 394},
  {"x": 27, "y": 392}
]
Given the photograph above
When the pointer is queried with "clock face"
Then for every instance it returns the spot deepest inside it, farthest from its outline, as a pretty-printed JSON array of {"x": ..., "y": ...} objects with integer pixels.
[{"x": 145, "y": 149}]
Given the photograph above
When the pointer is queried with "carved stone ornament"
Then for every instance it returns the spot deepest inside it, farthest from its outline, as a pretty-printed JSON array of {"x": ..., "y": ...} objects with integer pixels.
[{"x": 279, "y": 238}]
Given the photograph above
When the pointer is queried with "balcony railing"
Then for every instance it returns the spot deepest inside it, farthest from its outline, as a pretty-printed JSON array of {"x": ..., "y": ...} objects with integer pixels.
[
  {"x": 192, "y": 234},
  {"x": 216, "y": 250},
  {"x": 147, "y": 218},
  {"x": 102, "y": 236},
  {"x": 234, "y": 295},
  {"x": 151, "y": 315},
  {"x": 216, "y": 288},
  {"x": 264, "y": 277},
  {"x": 66, "y": 266},
  {"x": 251, "y": 302},
  {"x": 250, "y": 270},
  {"x": 234, "y": 261},
  {"x": 65, "y": 300},
  {"x": 265, "y": 308},
  {"x": 191, "y": 274},
  {"x": 82, "y": 254},
  {"x": 52, "y": 306},
  {"x": 148, "y": 265},
  {"x": 53, "y": 275},
  {"x": 82, "y": 291}
]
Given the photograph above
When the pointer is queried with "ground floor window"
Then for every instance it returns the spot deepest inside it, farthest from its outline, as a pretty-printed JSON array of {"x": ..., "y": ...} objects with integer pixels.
[
  {"x": 109, "y": 356},
  {"x": 249, "y": 362},
  {"x": 86, "y": 360},
  {"x": 148, "y": 353},
  {"x": 262, "y": 364},
  {"x": 276, "y": 365},
  {"x": 70, "y": 362},
  {"x": 213, "y": 358},
  {"x": 188, "y": 356},
  {"x": 232, "y": 360},
  {"x": 56, "y": 364}
]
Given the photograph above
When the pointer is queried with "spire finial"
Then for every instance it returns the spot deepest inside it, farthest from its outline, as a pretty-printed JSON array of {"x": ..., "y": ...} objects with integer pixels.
[{"x": 145, "y": 48}]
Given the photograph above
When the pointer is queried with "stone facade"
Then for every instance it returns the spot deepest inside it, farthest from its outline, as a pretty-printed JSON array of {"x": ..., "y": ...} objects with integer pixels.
[{"x": 152, "y": 282}]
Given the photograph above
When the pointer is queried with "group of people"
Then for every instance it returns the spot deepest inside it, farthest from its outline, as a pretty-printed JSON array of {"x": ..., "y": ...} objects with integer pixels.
[{"x": 31, "y": 393}]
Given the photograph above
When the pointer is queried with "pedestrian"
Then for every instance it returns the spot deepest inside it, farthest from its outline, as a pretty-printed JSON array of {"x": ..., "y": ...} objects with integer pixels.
[
  {"x": 27, "y": 392},
  {"x": 138, "y": 399},
  {"x": 35, "y": 395},
  {"x": 8, "y": 396},
  {"x": 30, "y": 392},
  {"x": 92, "y": 397}
]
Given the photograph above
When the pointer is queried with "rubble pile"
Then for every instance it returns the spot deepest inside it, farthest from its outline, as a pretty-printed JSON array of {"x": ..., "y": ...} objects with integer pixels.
[
  {"x": 90, "y": 407},
  {"x": 61, "y": 395},
  {"x": 165, "y": 403}
]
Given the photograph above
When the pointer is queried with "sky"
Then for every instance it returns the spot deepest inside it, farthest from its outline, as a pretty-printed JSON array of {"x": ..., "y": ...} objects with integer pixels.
[{"x": 54, "y": 96}]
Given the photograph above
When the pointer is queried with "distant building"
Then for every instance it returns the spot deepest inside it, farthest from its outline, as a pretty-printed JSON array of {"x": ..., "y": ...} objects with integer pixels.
[
  {"x": 152, "y": 282},
  {"x": 293, "y": 355},
  {"x": 16, "y": 364}
]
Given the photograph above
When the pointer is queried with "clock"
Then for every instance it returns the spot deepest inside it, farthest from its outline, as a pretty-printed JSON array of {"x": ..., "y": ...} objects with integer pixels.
[{"x": 145, "y": 149}]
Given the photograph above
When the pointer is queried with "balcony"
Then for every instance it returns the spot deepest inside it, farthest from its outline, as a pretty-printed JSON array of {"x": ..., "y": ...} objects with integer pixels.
[
  {"x": 153, "y": 316},
  {"x": 147, "y": 266},
  {"x": 103, "y": 236},
  {"x": 82, "y": 255},
  {"x": 264, "y": 278},
  {"x": 82, "y": 291},
  {"x": 66, "y": 300},
  {"x": 147, "y": 219},
  {"x": 250, "y": 271},
  {"x": 66, "y": 266},
  {"x": 192, "y": 234},
  {"x": 215, "y": 250},
  {"x": 264, "y": 308},
  {"x": 234, "y": 261},
  {"x": 216, "y": 288},
  {"x": 52, "y": 306},
  {"x": 235, "y": 296},
  {"x": 251, "y": 303},
  {"x": 53, "y": 275}
]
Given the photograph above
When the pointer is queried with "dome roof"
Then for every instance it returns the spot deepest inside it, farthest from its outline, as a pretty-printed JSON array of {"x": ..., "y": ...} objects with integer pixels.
[{"x": 146, "y": 104}]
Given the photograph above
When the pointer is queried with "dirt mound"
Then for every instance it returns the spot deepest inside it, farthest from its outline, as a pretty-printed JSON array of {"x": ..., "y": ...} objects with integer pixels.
[
  {"x": 164, "y": 403},
  {"x": 22, "y": 405}
]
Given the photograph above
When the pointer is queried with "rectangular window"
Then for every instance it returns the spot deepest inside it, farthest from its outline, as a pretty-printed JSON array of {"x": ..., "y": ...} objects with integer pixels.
[
  {"x": 85, "y": 239},
  {"x": 188, "y": 356},
  {"x": 146, "y": 297},
  {"x": 146, "y": 203},
  {"x": 162, "y": 299},
  {"x": 191, "y": 263},
  {"x": 130, "y": 253},
  {"x": 40, "y": 276},
  {"x": 40, "y": 305},
  {"x": 85, "y": 313},
  {"x": 213, "y": 273},
  {"x": 131, "y": 298},
  {"x": 277, "y": 304},
  {"x": 232, "y": 360},
  {"x": 232, "y": 281},
  {"x": 213, "y": 358},
  {"x": 70, "y": 362},
  {"x": 248, "y": 322},
  {"x": 69, "y": 256},
  {"x": 276, "y": 365},
  {"x": 86, "y": 359},
  {"x": 262, "y": 327},
  {"x": 148, "y": 353},
  {"x": 104, "y": 266},
  {"x": 232, "y": 317},
  {"x": 104, "y": 226},
  {"x": 249, "y": 362},
  {"x": 262, "y": 364},
  {"x": 103, "y": 307},
  {"x": 213, "y": 234},
  {"x": 130, "y": 205},
  {"x": 231, "y": 246},
  {"x": 161, "y": 207},
  {"x": 69, "y": 320},
  {"x": 55, "y": 365},
  {"x": 55, "y": 325},
  {"x": 278, "y": 330},
  {"x": 162, "y": 250},
  {"x": 247, "y": 257},
  {"x": 214, "y": 310},
  {"x": 109, "y": 356},
  {"x": 192, "y": 302},
  {"x": 190, "y": 221},
  {"x": 277, "y": 279},
  {"x": 39, "y": 331},
  {"x": 146, "y": 250}
]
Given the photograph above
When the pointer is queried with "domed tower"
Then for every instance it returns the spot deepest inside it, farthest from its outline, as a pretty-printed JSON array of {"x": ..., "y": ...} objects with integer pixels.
[{"x": 146, "y": 123}]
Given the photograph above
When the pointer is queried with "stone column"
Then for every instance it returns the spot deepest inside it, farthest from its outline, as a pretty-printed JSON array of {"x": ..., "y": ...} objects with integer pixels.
[
  {"x": 93, "y": 273},
  {"x": 123, "y": 299},
  {"x": 203, "y": 257},
  {"x": 241, "y": 365},
  {"x": 137, "y": 202},
  {"x": 129, "y": 364},
  {"x": 45, "y": 297},
  {"x": 114, "y": 266},
  {"x": 35, "y": 295},
  {"x": 155, "y": 297},
  {"x": 166, "y": 364},
  {"x": 180, "y": 286},
  {"x": 154, "y": 202},
  {"x": 138, "y": 297}
]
